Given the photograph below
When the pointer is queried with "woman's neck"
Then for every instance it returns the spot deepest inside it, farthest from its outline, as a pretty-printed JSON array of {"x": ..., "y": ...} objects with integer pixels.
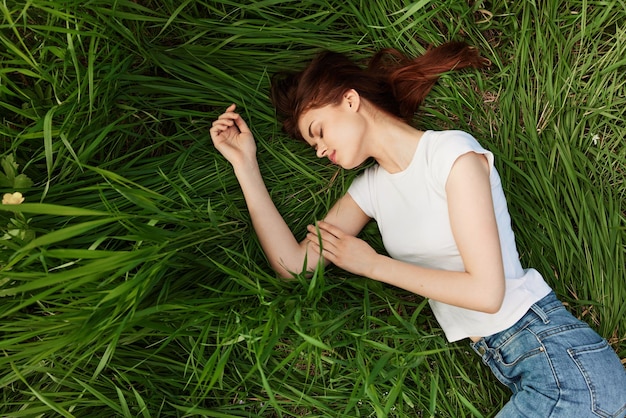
[{"x": 392, "y": 142}]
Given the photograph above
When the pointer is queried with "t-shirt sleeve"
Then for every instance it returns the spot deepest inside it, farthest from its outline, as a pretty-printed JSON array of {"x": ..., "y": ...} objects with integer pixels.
[
  {"x": 362, "y": 192},
  {"x": 448, "y": 149}
]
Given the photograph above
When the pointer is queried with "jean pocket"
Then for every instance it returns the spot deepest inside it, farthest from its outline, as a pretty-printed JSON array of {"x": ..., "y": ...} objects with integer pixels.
[
  {"x": 605, "y": 377},
  {"x": 520, "y": 347},
  {"x": 522, "y": 361}
]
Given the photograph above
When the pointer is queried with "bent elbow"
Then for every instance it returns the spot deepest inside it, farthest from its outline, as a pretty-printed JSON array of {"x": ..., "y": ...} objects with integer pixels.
[
  {"x": 285, "y": 272},
  {"x": 493, "y": 303},
  {"x": 281, "y": 271},
  {"x": 493, "y": 307}
]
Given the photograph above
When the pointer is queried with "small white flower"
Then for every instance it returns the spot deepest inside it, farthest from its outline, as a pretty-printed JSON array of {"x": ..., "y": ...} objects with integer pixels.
[
  {"x": 12, "y": 198},
  {"x": 595, "y": 139}
]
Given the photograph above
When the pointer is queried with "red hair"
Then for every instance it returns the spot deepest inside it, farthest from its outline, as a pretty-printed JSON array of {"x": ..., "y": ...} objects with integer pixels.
[{"x": 392, "y": 82}]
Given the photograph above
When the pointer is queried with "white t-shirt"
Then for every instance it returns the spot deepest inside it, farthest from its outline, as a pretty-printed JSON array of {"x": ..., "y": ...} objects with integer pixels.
[{"x": 411, "y": 210}]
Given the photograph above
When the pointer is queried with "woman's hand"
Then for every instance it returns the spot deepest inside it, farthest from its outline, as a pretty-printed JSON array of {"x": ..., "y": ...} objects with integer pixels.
[
  {"x": 343, "y": 250},
  {"x": 233, "y": 139}
]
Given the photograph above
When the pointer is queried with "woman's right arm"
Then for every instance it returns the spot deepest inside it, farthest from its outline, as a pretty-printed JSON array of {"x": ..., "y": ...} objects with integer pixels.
[{"x": 233, "y": 139}]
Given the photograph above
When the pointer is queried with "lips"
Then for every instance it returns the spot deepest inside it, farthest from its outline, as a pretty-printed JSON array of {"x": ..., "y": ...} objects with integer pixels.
[{"x": 333, "y": 157}]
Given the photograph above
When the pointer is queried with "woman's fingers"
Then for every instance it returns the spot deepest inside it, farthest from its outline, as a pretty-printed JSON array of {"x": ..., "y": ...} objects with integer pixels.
[
  {"x": 228, "y": 116},
  {"x": 313, "y": 241},
  {"x": 330, "y": 229},
  {"x": 223, "y": 119},
  {"x": 218, "y": 129},
  {"x": 232, "y": 137},
  {"x": 241, "y": 124},
  {"x": 326, "y": 230},
  {"x": 235, "y": 119},
  {"x": 227, "y": 120},
  {"x": 321, "y": 235},
  {"x": 219, "y": 126},
  {"x": 230, "y": 119},
  {"x": 339, "y": 248}
]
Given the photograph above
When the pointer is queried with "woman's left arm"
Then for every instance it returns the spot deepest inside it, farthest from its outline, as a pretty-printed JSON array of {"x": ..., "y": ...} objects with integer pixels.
[{"x": 480, "y": 287}]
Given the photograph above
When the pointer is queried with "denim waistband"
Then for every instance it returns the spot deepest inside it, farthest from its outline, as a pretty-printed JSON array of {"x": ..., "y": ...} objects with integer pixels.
[
  {"x": 539, "y": 311},
  {"x": 548, "y": 302}
]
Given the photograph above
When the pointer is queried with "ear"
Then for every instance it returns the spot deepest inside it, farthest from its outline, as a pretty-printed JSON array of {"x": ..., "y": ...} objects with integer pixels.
[{"x": 352, "y": 100}]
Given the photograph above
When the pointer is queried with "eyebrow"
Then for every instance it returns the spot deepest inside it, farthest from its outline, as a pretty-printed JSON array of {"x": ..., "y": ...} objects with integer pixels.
[{"x": 310, "y": 132}]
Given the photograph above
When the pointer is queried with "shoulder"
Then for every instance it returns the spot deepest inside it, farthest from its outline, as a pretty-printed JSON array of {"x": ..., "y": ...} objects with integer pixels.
[
  {"x": 443, "y": 149},
  {"x": 452, "y": 142}
]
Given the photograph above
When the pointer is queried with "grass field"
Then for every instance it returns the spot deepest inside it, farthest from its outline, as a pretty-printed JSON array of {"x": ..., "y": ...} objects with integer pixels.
[{"x": 131, "y": 282}]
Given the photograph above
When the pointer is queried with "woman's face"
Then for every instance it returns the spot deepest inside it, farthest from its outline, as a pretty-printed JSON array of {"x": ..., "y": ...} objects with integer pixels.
[{"x": 336, "y": 131}]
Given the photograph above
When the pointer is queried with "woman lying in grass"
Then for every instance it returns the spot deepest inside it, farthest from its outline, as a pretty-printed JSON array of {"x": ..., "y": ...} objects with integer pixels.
[{"x": 442, "y": 214}]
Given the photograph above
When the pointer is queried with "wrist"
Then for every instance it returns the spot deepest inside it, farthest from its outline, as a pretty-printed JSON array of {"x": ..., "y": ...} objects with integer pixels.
[
  {"x": 246, "y": 167},
  {"x": 375, "y": 267}
]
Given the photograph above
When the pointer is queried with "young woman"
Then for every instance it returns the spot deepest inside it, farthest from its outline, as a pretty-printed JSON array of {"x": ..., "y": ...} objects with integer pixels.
[{"x": 442, "y": 214}]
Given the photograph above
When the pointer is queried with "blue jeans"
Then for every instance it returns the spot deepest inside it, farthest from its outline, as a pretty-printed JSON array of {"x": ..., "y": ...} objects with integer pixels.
[{"x": 556, "y": 366}]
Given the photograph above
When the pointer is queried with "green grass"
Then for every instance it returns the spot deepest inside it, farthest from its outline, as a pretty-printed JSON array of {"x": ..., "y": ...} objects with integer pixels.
[{"x": 131, "y": 283}]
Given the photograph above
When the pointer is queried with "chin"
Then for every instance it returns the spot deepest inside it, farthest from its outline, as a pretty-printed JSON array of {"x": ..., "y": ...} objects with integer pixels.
[
  {"x": 347, "y": 167},
  {"x": 354, "y": 164}
]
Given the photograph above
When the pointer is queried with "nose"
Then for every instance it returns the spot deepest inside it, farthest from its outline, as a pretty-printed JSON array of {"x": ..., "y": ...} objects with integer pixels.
[{"x": 321, "y": 150}]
